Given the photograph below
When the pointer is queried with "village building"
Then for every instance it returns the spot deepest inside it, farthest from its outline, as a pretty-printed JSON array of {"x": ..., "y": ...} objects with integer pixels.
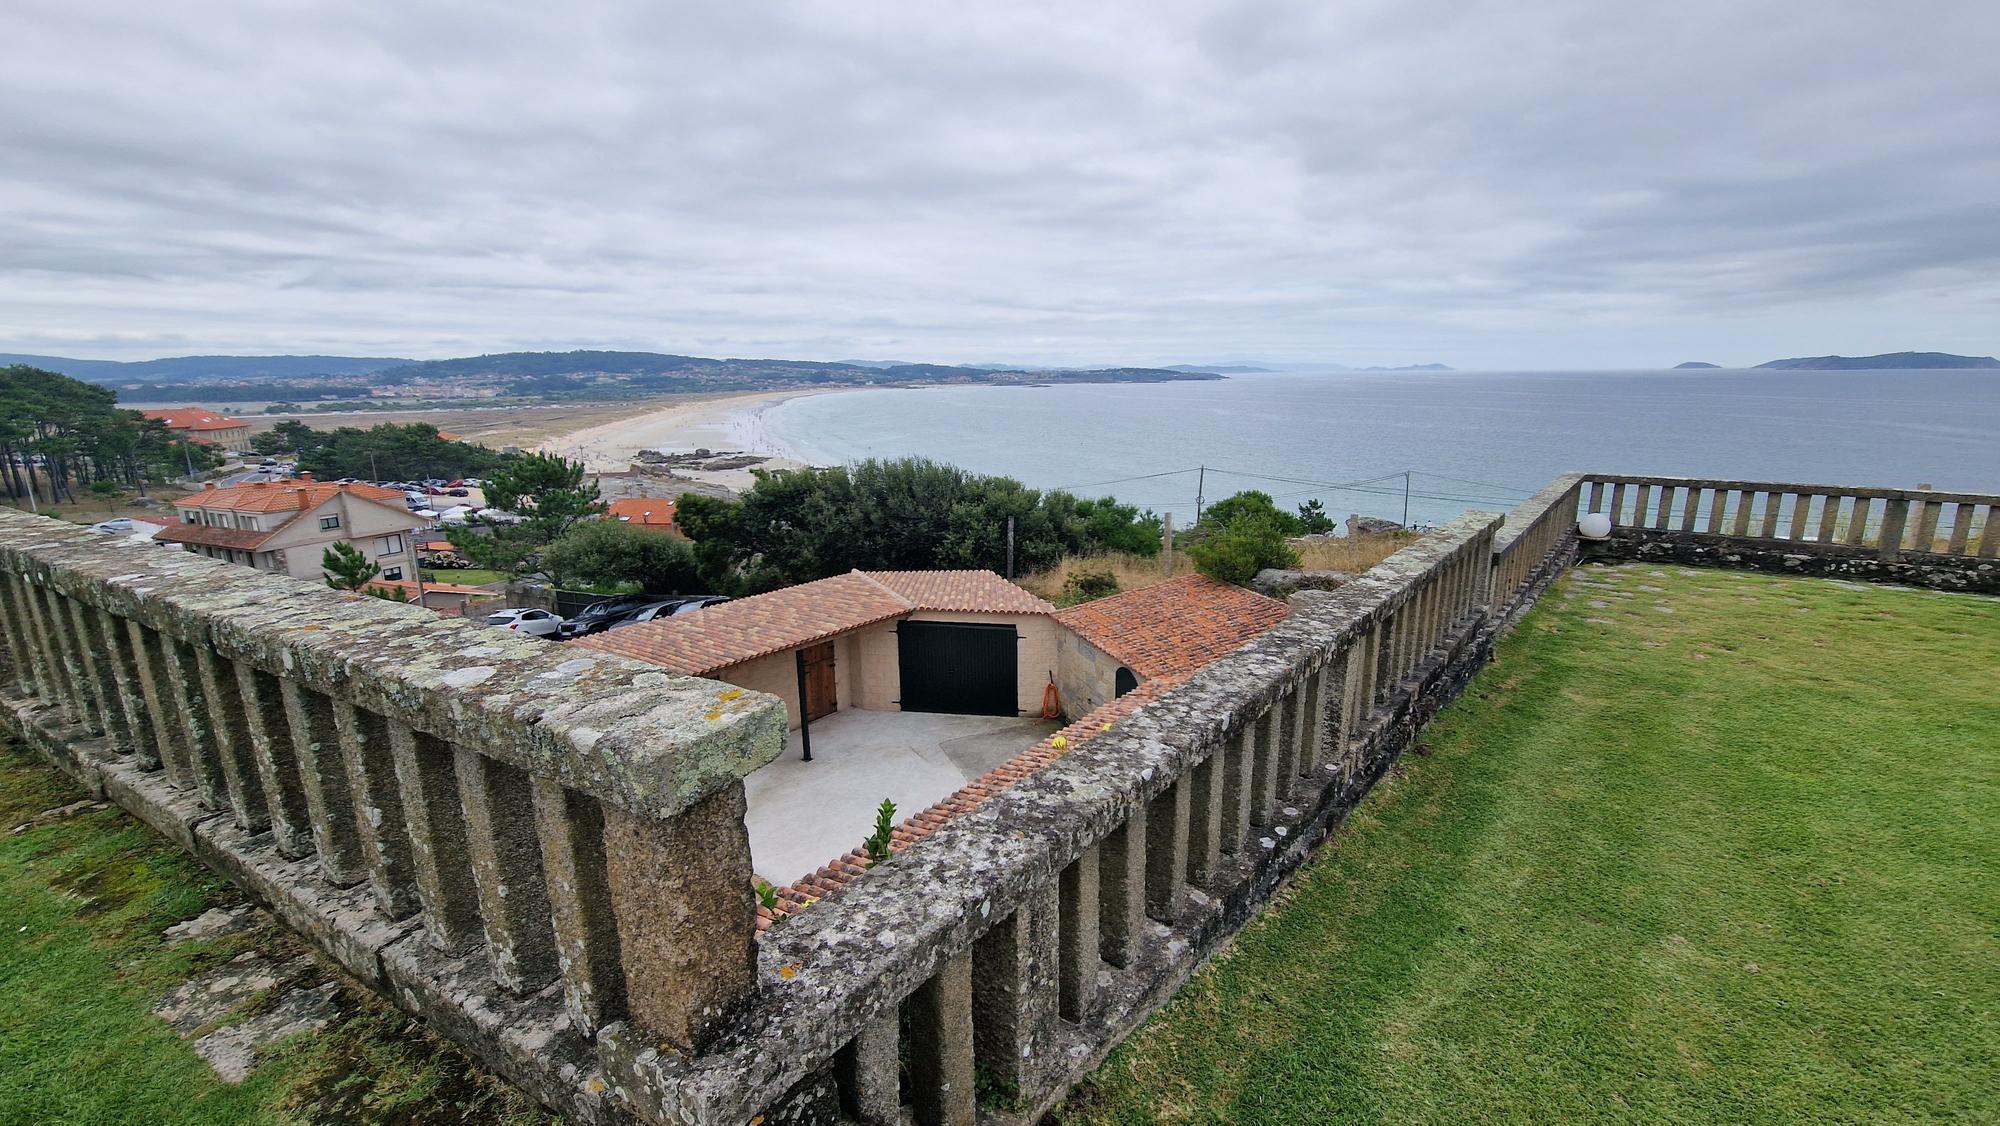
[
  {"x": 285, "y": 526},
  {"x": 205, "y": 426},
  {"x": 656, "y": 513}
]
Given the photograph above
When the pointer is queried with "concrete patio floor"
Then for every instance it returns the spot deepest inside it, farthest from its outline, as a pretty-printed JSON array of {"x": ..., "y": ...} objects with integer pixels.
[{"x": 803, "y": 814}]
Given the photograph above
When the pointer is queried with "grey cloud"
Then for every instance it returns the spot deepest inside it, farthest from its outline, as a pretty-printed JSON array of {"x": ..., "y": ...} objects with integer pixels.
[{"x": 1565, "y": 183}]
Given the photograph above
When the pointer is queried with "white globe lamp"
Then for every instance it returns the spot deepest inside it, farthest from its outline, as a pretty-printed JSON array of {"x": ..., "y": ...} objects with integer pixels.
[{"x": 1594, "y": 526}]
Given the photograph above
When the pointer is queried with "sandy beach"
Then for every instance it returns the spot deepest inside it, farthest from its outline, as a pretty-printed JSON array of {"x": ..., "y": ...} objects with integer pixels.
[{"x": 723, "y": 423}]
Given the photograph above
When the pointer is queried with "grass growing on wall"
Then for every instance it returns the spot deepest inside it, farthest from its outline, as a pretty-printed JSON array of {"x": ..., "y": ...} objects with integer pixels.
[
  {"x": 84, "y": 898},
  {"x": 1699, "y": 846}
]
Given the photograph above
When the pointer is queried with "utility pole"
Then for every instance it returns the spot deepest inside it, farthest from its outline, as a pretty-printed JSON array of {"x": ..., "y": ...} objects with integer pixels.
[
  {"x": 1200, "y": 487},
  {"x": 1010, "y": 549},
  {"x": 1406, "y": 498},
  {"x": 1167, "y": 545}
]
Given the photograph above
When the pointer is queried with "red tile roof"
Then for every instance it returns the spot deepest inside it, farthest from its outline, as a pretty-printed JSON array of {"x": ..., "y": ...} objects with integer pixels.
[
  {"x": 280, "y": 496},
  {"x": 1173, "y": 627},
  {"x": 647, "y": 512},
  {"x": 239, "y": 539},
  {"x": 196, "y": 419},
  {"x": 961, "y": 592},
  {"x": 734, "y": 632}
]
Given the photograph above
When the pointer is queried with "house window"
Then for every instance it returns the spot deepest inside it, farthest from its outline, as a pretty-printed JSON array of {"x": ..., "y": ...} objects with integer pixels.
[
  {"x": 328, "y": 523},
  {"x": 392, "y": 573},
  {"x": 190, "y": 516},
  {"x": 389, "y": 545}
]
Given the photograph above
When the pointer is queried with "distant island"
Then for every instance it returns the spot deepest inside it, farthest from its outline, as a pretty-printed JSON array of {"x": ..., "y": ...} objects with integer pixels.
[
  {"x": 1413, "y": 367},
  {"x": 1694, "y": 364},
  {"x": 1219, "y": 369},
  {"x": 1887, "y": 361}
]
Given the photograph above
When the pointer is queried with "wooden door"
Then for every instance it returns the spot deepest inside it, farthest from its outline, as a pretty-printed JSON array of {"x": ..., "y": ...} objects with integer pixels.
[{"x": 821, "y": 698}]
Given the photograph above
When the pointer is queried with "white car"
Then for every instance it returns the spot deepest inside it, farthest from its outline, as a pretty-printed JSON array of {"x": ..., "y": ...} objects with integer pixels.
[{"x": 536, "y": 623}]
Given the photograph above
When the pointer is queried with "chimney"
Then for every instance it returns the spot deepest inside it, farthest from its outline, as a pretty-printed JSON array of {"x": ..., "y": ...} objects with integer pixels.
[
  {"x": 306, "y": 478},
  {"x": 206, "y": 485}
]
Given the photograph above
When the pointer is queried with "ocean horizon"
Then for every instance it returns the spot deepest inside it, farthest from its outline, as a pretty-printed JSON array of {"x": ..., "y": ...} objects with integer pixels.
[{"x": 1468, "y": 440}]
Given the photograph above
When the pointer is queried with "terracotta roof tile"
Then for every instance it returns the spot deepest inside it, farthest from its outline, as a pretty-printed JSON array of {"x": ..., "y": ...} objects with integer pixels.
[
  {"x": 1173, "y": 627},
  {"x": 239, "y": 539},
  {"x": 280, "y": 496},
  {"x": 730, "y": 633},
  {"x": 734, "y": 632},
  {"x": 968, "y": 592},
  {"x": 647, "y": 512},
  {"x": 195, "y": 419}
]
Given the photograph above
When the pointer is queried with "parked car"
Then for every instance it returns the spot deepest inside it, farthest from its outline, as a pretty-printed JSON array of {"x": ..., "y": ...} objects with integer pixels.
[
  {"x": 599, "y": 616},
  {"x": 699, "y": 602},
  {"x": 535, "y": 623},
  {"x": 648, "y": 612}
]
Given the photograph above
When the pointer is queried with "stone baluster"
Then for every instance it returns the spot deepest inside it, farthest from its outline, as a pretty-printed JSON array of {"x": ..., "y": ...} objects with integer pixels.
[
  {"x": 1238, "y": 787},
  {"x": 867, "y": 1072},
  {"x": 162, "y": 706},
  {"x": 229, "y": 730},
  {"x": 1079, "y": 936},
  {"x": 328, "y": 797},
  {"x": 1642, "y": 495},
  {"x": 184, "y": 687},
  {"x": 103, "y": 712},
  {"x": 1166, "y": 851},
  {"x": 378, "y": 803},
  {"x": 1895, "y": 518},
  {"x": 1205, "y": 816},
  {"x": 120, "y": 658},
  {"x": 1717, "y": 509},
  {"x": 1264, "y": 767},
  {"x": 1925, "y": 539},
  {"x": 1829, "y": 517},
  {"x": 60, "y": 653},
  {"x": 1801, "y": 511},
  {"x": 1015, "y": 970},
  {"x": 272, "y": 749},
  {"x": 1961, "y": 528},
  {"x": 571, "y": 830},
  {"x": 1773, "y": 502},
  {"x": 30, "y": 670},
  {"x": 440, "y": 859},
  {"x": 1121, "y": 883},
  {"x": 941, "y": 1051},
  {"x": 1989, "y": 536},
  {"x": 687, "y": 917},
  {"x": 507, "y": 871},
  {"x": 1285, "y": 766}
]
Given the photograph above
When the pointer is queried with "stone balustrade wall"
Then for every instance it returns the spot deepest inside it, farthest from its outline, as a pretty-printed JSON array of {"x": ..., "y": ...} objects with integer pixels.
[
  {"x": 520, "y": 843},
  {"x": 1920, "y": 537}
]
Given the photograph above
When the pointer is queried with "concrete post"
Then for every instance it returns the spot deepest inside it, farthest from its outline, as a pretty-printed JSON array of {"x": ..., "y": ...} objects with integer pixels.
[
  {"x": 61, "y": 654},
  {"x": 184, "y": 695},
  {"x": 1166, "y": 852},
  {"x": 1238, "y": 786},
  {"x": 1204, "y": 849},
  {"x": 271, "y": 748},
  {"x": 1264, "y": 766},
  {"x": 231, "y": 734},
  {"x": 102, "y": 711},
  {"x": 124, "y": 666}
]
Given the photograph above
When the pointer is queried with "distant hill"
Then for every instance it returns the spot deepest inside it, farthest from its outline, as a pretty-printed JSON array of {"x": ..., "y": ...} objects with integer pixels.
[
  {"x": 1415, "y": 367},
  {"x": 197, "y": 369},
  {"x": 1694, "y": 364},
  {"x": 1888, "y": 361},
  {"x": 1219, "y": 369}
]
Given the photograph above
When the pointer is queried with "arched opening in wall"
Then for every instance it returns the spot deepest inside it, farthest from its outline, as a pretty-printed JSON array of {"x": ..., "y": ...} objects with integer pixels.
[{"x": 1124, "y": 681}]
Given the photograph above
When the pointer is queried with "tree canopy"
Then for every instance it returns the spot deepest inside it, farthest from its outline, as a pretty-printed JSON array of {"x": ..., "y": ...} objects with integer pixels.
[
  {"x": 70, "y": 435},
  {"x": 388, "y": 452},
  {"x": 541, "y": 497},
  {"x": 1242, "y": 535},
  {"x": 603, "y": 553},
  {"x": 793, "y": 526}
]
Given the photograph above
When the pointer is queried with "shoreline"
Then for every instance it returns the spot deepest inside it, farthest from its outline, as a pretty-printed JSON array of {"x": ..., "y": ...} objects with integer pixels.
[{"x": 732, "y": 421}]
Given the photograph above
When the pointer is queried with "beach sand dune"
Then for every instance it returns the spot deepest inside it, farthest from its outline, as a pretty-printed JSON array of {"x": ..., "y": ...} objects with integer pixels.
[{"x": 732, "y": 422}]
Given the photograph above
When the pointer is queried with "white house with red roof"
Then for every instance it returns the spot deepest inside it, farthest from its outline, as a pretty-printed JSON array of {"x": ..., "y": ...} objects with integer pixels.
[
  {"x": 284, "y": 526},
  {"x": 205, "y": 426}
]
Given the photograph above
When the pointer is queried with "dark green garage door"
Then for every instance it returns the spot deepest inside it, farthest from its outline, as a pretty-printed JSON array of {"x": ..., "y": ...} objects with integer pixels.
[{"x": 956, "y": 667}]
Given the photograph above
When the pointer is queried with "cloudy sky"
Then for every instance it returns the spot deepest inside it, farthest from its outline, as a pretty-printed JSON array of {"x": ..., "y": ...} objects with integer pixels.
[{"x": 1550, "y": 183}]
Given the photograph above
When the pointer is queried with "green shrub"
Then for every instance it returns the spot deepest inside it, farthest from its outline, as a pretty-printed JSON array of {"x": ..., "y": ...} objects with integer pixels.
[{"x": 1086, "y": 583}]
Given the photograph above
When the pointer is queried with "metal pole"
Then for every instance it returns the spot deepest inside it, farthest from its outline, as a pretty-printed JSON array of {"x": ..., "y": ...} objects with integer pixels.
[
  {"x": 1200, "y": 488},
  {"x": 805, "y": 725},
  {"x": 1406, "y": 498}
]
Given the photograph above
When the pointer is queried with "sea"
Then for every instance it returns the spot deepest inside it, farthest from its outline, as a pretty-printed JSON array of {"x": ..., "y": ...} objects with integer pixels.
[{"x": 1420, "y": 447}]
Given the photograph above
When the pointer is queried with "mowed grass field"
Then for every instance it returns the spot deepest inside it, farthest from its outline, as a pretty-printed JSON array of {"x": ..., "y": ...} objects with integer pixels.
[{"x": 1699, "y": 847}]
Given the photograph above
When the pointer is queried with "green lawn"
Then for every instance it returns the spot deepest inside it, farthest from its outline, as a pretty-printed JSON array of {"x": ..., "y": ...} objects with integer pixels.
[
  {"x": 1698, "y": 847},
  {"x": 83, "y": 901},
  {"x": 467, "y": 576}
]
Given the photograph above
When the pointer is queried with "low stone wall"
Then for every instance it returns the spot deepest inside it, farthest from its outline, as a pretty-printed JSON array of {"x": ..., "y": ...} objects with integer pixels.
[{"x": 1966, "y": 575}]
